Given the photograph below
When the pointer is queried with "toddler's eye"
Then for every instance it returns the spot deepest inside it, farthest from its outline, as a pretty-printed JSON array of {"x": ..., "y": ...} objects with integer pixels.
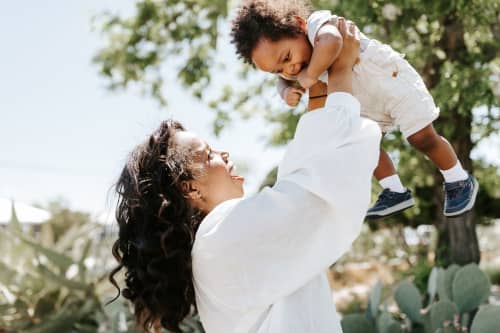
[{"x": 287, "y": 57}]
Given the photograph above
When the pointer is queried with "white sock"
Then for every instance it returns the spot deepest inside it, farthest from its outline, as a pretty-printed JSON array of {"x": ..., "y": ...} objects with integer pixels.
[
  {"x": 393, "y": 183},
  {"x": 455, "y": 173}
]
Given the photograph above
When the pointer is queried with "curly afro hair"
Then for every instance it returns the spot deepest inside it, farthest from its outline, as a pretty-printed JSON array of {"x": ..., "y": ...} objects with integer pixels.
[{"x": 271, "y": 19}]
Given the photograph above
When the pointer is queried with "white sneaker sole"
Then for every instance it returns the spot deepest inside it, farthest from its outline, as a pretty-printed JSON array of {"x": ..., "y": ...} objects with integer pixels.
[
  {"x": 392, "y": 210},
  {"x": 469, "y": 205}
]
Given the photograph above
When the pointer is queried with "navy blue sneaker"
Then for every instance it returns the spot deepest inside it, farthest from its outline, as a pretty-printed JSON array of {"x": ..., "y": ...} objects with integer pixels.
[
  {"x": 389, "y": 203},
  {"x": 460, "y": 196}
]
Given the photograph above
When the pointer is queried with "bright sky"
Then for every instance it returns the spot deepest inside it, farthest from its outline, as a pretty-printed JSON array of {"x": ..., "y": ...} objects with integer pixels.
[{"x": 62, "y": 134}]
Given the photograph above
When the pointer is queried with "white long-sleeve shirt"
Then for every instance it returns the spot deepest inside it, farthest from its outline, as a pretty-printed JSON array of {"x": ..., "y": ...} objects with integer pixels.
[{"x": 259, "y": 262}]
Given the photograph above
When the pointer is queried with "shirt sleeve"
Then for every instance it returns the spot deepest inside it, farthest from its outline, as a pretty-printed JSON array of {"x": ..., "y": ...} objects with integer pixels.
[
  {"x": 271, "y": 244},
  {"x": 316, "y": 20}
]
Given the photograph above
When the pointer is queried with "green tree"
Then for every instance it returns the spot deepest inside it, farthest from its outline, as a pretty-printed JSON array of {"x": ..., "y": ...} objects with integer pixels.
[{"x": 453, "y": 44}]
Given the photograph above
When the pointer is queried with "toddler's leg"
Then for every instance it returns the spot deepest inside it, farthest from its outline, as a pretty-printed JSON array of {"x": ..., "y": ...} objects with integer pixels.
[
  {"x": 460, "y": 187},
  {"x": 394, "y": 197},
  {"x": 438, "y": 149},
  {"x": 385, "y": 168}
]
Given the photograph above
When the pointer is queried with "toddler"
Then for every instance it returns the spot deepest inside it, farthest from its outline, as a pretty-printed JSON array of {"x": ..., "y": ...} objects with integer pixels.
[{"x": 284, "y": 38}]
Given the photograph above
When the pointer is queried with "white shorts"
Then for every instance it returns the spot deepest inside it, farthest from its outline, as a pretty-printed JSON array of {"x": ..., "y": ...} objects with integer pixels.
[{"x": 391, "y": 92}]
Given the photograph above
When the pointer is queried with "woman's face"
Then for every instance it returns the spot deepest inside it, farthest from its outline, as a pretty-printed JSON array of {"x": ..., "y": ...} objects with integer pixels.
[{"x": 215, "y": 178}]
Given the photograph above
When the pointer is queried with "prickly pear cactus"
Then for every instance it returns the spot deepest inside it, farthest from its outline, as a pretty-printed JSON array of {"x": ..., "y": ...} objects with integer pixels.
[
  {"x": 356, "y": 323},
  {"x": 445, "y": 281},
  {"x": 432, "y": 283},
  {"x": 449, "y": 329},
  {"x": 409, "y": 301},
  {"x": 387, "y": 324},
  {"x": 470, "y": 288},
  {"x": 375, "y": 297},
  {"x": 441, "y": 312},
  {"x": 487, "y": 320}
]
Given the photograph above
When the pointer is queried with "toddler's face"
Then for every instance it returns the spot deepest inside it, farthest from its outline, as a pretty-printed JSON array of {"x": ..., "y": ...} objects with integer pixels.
[{"x": 286, "y": 57}]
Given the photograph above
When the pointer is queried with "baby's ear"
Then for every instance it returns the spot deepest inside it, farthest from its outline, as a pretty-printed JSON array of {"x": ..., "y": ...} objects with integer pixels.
[{"x": 300, "y": 22}]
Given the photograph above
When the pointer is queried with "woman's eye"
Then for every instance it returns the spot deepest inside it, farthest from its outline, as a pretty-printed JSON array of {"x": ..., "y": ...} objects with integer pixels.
[{"x": 287, "y": 57}]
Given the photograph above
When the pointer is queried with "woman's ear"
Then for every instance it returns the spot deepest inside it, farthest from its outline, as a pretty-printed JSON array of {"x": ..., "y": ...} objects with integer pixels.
[{"x": 189, "y": 190}]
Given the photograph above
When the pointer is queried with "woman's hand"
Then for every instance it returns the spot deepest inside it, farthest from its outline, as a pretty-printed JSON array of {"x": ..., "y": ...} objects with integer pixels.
[
  {"x": 340, "y": 74},
  {"x": 350, "y": 49}
]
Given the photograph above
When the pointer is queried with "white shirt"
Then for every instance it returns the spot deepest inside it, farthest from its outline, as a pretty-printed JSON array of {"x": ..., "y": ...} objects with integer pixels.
[
  {"x": 259, "y": 262},
  {"x": 316, "y": 20}
]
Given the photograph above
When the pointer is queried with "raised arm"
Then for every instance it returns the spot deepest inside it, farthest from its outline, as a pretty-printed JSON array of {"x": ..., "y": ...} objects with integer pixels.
[
  {"x": 278, "y": 240},
  {"x": 327, "y": 46}
]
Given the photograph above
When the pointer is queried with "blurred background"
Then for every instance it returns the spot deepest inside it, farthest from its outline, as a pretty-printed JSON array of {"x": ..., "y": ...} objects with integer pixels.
[{"x": 84, "y": 82}]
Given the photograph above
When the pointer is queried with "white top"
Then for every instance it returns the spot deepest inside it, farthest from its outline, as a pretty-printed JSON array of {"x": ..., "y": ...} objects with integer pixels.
[
  {"x": 316, "y": 20},
  {"x": 259, "y": 262}
]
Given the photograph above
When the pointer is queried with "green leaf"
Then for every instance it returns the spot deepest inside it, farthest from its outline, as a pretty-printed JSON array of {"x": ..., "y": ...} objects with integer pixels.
[
  {"x": 14, "y": 224},
  {"x": 60, "y": 260},
  {"x": 61, "y": 280}
]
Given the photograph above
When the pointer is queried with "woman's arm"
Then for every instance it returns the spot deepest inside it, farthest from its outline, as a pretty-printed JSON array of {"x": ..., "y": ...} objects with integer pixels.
[{"x": 317, "y": 96}]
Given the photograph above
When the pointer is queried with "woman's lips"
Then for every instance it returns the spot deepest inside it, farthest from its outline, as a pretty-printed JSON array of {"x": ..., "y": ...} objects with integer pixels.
[{"x": 235, "y": 177}]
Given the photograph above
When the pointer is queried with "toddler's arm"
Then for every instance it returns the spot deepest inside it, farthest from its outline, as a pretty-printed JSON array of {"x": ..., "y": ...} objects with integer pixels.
[
  {"x": 327, "y": 47},
  {"x": 289, "y": 92}
]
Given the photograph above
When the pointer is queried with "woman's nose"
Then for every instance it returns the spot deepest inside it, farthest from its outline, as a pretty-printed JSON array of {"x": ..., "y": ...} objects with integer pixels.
[{"x": 225, "y": 156}]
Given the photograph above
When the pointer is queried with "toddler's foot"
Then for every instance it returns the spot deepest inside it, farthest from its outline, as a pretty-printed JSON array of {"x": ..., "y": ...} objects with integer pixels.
[
  {"x": 460, "y": 196},
  {"x": 389, "y": 203}
]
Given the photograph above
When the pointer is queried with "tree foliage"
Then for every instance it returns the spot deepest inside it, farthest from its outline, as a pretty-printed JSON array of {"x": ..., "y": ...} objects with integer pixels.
[{"x": 452, "y": 44}]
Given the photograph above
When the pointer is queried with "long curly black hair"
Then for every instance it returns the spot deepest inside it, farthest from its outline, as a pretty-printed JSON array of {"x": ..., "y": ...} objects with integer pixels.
[
  {"x": 156, "y": 231},
  {"x": 270, "y": 19}
]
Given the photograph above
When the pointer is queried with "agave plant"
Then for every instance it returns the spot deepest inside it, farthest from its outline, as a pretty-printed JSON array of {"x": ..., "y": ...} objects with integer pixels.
[
  {"x": 56, "y": 281},
  {"x": 47, "y": 286}
]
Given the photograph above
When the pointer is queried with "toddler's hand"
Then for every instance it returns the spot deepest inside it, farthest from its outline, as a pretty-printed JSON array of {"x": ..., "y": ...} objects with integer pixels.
[
  {"x": 292, "y": 95},
  {"x": 305, "y": 80}
]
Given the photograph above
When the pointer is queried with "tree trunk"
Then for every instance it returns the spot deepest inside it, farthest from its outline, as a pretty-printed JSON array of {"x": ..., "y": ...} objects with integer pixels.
[
  {"x": 457, "y": 238},
  {"x": 464, "y": 246}
]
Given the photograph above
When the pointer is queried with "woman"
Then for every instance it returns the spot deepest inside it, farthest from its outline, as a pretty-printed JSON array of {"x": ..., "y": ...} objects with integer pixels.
[{"x": 187, "y": 238}]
